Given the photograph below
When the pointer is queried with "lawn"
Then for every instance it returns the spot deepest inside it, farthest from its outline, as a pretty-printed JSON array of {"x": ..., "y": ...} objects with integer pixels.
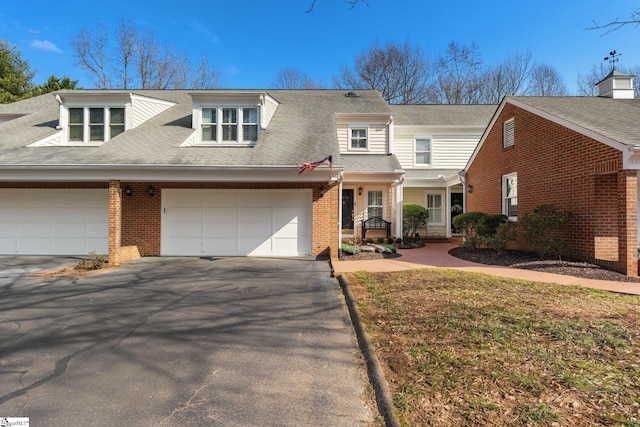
[{"x": 469, "y": 349}]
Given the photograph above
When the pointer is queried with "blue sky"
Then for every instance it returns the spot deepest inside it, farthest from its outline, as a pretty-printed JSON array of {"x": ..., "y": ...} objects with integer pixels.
[{"x": 250, "y": 41}]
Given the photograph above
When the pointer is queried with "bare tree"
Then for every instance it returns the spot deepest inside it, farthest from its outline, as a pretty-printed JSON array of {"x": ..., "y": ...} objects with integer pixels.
[
  {"x": 137, "y": 60},
  {"x": 124, "y": 54},
  {"x": 633, "y": 19},
  {"x": 205, "y": 76},
  {"x": 546, "y": 81},
  {"x": 459, "y": 78},
  {"x": 399, "y": 71},
  {"x": 90, "y": 48},
  {"x": 292, "y": 78},
  {"x": 507, "y": 78}
]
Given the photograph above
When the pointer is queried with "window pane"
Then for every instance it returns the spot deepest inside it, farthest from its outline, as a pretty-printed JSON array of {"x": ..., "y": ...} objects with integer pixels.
[
  {"x": 423, "y": 158},
  {"x": 96, "y": 115},
  {"x": 208, "y": 115},
  {"x": 76, "y": 115},
  {"x": 76, "y": 133},
  {"x": 512, "y": 207},
  {"x": 250, "y": 115},
  {"x": 116, "y": 130},
  {"x": 249, "y": 132},
  {"x": 229, "y": 115},
  {"x": 117, "y": 116},
  {"x": 208, "y": 133},
  {"x": 229, "y": 133},
  {"x": 96, "y": 133},
  {"x": 423, "y": 145}
]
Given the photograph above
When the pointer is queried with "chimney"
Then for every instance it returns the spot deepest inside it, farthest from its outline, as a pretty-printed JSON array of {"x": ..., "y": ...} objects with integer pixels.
[{"x": 616, "y": 85}]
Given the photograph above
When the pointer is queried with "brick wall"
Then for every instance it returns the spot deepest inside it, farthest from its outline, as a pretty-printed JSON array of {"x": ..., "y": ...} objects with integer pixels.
[{"x": 556, "y": 165}]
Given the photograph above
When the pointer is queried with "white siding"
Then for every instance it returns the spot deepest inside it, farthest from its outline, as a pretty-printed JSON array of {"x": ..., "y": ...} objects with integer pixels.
[
  {"x": 146, "y": 108},
  {"x": 377, "y": 134},
  {"x": 449, "y": 150}
]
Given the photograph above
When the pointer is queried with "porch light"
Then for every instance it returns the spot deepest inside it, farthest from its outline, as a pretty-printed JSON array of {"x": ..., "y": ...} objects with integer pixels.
[
  {"x": 127, "y": 191},
  {"x": 359, "y": 191},
  {"x": 469, "y": 188},
  {"x": 151, "y": 190},
  {"x": 321, "y": 190}
]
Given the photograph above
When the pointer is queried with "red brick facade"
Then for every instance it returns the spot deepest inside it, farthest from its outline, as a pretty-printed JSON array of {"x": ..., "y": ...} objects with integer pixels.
[{"x": 557, "y": 165}]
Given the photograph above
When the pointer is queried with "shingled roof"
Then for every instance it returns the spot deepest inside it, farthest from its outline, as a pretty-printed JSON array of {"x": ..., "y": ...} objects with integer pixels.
[
  {"x": 615, "y": 119},
  {"x": 302, "y": 129}
]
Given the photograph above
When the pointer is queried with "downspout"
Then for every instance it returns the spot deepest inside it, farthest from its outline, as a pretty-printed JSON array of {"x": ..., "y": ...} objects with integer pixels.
[
  {"x": 340, "y": 179},
  {"x": 391, "y": 135},
  {"x": 463, "y": 178}
]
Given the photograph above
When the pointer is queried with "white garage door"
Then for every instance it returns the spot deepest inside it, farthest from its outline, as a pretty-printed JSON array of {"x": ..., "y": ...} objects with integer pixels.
[
  {"x": 236, "y": 222},
  {"x": 53, "y": 221}
]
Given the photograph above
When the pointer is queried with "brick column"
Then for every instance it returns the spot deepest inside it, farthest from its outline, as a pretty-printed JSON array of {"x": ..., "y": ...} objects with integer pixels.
[
  {"x": 628, "y": 222},
  {"x": 115, "y": 217}
]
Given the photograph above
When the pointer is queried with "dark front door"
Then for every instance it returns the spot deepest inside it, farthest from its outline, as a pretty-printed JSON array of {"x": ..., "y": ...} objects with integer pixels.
[
  {"x": 456, "y": 207},
  {"x": 347, "y": 211}
]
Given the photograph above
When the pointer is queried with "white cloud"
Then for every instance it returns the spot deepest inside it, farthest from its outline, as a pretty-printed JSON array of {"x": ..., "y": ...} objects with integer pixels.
[{"x": 45, "y": 45}]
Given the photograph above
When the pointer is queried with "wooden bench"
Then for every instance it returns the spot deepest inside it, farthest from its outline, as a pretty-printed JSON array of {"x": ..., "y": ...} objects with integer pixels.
[{"x": 375, "y": 223}]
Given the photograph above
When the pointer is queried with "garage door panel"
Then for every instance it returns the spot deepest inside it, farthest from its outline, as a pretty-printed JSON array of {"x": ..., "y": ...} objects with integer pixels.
[
  {"x": 241, "y": 222},
  {"x": 220, "y": 200},
  {"x": 53, "y": 221}
]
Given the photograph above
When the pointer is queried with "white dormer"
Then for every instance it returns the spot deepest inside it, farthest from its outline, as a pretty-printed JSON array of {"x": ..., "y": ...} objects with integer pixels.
[
  {"x": 90, "y": 119},
  {"x": 616, "y": 85},
  {"x": 229, "y": 118}
]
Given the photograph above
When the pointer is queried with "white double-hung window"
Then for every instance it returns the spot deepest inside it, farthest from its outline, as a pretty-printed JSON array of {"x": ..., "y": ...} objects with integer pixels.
[
  {"x": 423, "y": 152},
  {"x": 434, "y": 207},
  {"x": 358, "y": 139},
  {"x": 93, "y": 124},
  {"x": 228, "y": 125},
  {"x": 510, "y": 196}
]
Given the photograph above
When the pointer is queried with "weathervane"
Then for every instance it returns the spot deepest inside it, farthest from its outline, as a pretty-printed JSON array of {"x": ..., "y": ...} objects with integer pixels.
[{"x": 612, "y": 58}]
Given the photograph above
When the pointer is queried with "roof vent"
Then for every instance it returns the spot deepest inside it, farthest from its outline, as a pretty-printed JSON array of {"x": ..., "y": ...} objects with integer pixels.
[{"x": 352, "y": 94}]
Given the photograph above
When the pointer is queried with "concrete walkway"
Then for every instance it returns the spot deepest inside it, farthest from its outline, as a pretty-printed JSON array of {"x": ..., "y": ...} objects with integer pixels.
[{"x": 437, "y": 255}]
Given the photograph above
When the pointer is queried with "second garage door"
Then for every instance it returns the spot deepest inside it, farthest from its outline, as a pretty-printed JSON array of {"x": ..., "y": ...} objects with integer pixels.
[{"x": 236, "y": 222}]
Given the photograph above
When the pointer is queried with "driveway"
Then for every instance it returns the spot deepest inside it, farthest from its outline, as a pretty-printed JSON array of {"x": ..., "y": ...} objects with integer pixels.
[{"x": 179, "y": 341}]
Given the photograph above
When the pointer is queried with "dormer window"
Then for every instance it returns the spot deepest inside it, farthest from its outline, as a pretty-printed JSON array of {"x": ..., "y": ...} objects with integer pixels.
[
  {"x": 229, "y": 118},
  {"x": 359, "y": 140},
  {"x": 95, "y": 124},
  {"x": 229, "y": 125}
]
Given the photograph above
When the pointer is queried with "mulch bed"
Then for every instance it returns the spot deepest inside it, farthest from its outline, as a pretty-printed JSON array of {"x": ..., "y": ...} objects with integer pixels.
[{"x": 518, "y": 259}]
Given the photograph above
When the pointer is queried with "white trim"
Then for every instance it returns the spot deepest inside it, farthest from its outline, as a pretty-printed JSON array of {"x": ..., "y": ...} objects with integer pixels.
[
  {"x": 417, "y": 137},
  {"x": 503, "y": 195},
  {"x": 443, "y": 204},
  {"x": 358, "y": 126}
]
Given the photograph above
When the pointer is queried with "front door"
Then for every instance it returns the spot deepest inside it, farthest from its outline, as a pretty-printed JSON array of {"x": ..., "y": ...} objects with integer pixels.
[
  {"x": 456, "y": 207},
  {"x": 347, "y": 211}
]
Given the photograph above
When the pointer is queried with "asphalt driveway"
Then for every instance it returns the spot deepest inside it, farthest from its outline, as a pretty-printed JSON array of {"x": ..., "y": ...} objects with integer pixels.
[{"x": 179, "y": 341}]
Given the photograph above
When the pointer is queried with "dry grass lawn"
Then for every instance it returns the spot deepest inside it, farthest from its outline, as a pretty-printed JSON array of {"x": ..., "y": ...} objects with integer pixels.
[{"x": 468, "y": 349}]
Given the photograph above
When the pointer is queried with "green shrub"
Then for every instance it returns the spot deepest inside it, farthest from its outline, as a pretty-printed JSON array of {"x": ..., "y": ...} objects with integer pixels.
[
  {"x": 380, "y": 240},
  {"x": 369, "y": 240},
  {"x": 488, "y": 224},
  {"x": 413, "y": 217},
  {"x": 350, "y": 249},
  {"x": 543, "y": 230},
  {"x": 389, "y": 246},
  {"x": 504, "y": 233},
  {"x": 468, "y": 223},
  {"x": 390, "y": 240}
]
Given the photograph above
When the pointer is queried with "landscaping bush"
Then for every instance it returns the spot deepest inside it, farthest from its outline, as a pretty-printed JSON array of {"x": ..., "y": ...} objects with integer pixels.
[
  {"x": 504, "y": 233},
  {"x": 95, "y": 262},
  {"x": 413, "y": 217},
  {"x": 543, "y": 229},
  {"x": 350, "y": 249},
  {"x": 468, "y": 223}
]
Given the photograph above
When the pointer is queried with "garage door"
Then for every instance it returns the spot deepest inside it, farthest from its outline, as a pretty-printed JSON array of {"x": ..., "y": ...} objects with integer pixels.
[
  {"x": 236, "y": 222},
  {"x": 53, "y": 222}
]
